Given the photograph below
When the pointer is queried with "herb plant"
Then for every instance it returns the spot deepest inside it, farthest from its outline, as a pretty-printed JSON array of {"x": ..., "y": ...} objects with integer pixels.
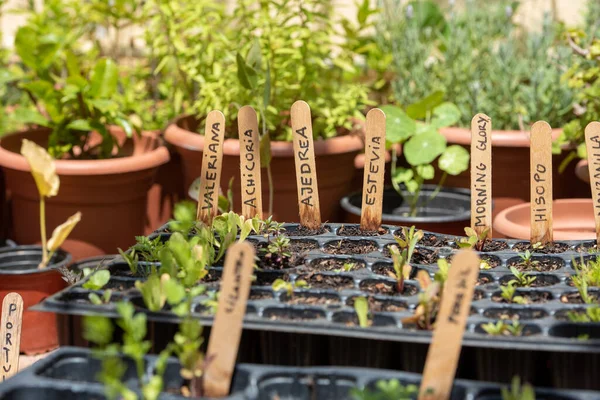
[
  {"x": 387, "y": 390},
  {"x": 528, "y": 262},
  {"x": 518, "y": 391},
  {"x": 522, "y": 279},
  {"x": 97, "y": 280},
  {"x": 503, "y": 328},
  {"x": 591, "y": 314},
  {"x": 473, "y": 240}
]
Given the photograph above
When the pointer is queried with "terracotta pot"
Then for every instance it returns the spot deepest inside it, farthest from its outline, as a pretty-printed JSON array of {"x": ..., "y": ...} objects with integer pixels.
[
  {"x": 111, "y": 194},
  {"x": 449, "y": 212},
  {"x": 573, "y": 219},
  {"x": 19, "y": 273},
  {"x": 334, "y": 159},
  {"x": 582, "y": 171},
  {"x": 510, "y": 165}
]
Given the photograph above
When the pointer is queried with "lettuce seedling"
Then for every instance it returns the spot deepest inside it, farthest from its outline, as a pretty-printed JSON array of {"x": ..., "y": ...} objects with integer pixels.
[
  {"x": 43, "y": 170},
  {"x": 361, "y": 307},
  {"x": 386, "y": 390},
  {"x": 473, "y": 240},
  {"x": 97, "y": 280},
  {"x": 518, "y": 392},
  {"x": 503, "y": 328}
]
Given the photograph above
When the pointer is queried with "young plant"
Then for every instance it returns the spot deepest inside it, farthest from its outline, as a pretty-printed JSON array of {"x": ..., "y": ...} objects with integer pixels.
[
  {"x": 527, "y": 261},
  {"x": 503, "y": 328},
  {"x": 407, "y": 241},
  {"x": 587, "y": 271},
  {"x": 147, "y": 249},
  {"x": 591, "y": 314},
  {"x": 280, "y": 284},
  {"x": 508, "y": 293},
  {"x": 518, "y": 392},
  {"x": 429, "y": 301},
  {"x": 387, "y": 390},
  {"x": 347, "y": 267},
  {"x": 47, "y": 181},
  {"x": 361, "y": 308},
  {"x": 402, "y": 268},
  {"x": 473, "y": 240},
  {"x": 522, "y": 279},
  {"x": 96, "y": 281},
  {"x": 276, "y": 254}
]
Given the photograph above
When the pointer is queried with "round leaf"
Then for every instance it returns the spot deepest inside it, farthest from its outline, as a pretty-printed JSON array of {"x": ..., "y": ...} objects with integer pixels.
[
  {"x": 454, "y": 160},
  {"x": 446, "y": 114},
  {"x": 424, "y": 148},
  {"x": 398, "y": 125}
]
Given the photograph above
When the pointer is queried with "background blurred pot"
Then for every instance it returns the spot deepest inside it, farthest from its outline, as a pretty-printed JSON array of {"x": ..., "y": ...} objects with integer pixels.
[
  {"x": 19, "y": 273},
  {"x": 573, "y": 219},
  {"x": 111, "y": 194},
  {"x": 510, "y": 166},
  {"x": 449, "y": 212},
  {"x": 582, "y": 171},
  {"x": 334, "y": 159}
]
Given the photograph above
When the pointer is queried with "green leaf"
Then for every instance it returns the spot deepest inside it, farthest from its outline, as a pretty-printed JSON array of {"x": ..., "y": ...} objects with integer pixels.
[
  {"x": 426, "y": 171},
  {"x": 98, "y": 330},
  {"x": 246, "y": 75},
  {"x": 424, "y": 148},
  {"x": 26, "y": 40},
  {"x": 97, "y": 280},
  {"x": 428, "y": 14},
  {"x": 454, "y": 160},
  {"x": 265, "y": 150},
  {"x": 104, "y": 79},
  {"x": 30, "y": 116},
  {"x": 398, "y": 126},
  {"x": 361, "y": 307},
  {"x": 446, "y": 114},
  {"x": 267, "y": 92},
  {"x": 80, "y": 125},
  {"x": 420, "y": 109},
  {"x": 174, "y": 291},
  {"x": 403, "y": 175}
]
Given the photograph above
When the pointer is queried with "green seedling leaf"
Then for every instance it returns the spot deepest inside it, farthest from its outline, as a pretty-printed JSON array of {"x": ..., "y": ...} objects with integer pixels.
[
  {"x": 454, "y": 160},
  {"x": 446, "y": 114},
  {"x": 420, "y": 109},
  {"x": 104, "y": 79},
  {"x": 424, "y": 148},
  {"x": 97, "y": 279},
  {"x": 398, "y": 126},
  {"x": 361, "y": 307}
]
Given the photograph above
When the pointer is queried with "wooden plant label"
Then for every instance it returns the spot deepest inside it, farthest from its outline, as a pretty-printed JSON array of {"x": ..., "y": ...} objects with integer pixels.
[
  {"x": 10, "y": 334},
  {"x": 372, "y": 202},
  {"x": 210, "y": 179},
  {"x": 541, "y": 183},
  {"x": 306, "y": 175},
  {"x": 250, "y": 162},
  {"x": 227, "y": 328},
  {"x": 481, "y": 174},
  {"x": 592, "y": 143},
  {"x": 444, "y": 350}
]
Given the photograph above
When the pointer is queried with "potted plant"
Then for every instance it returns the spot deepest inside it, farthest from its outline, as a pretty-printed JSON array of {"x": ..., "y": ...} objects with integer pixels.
[
  {"x": 410, "y": 201},
  {"x": 35, "y": 271},
  {"x": 485, "y": 63},
  {"x": 254, "y": 60},
  {"x": 106, "y": 169}
]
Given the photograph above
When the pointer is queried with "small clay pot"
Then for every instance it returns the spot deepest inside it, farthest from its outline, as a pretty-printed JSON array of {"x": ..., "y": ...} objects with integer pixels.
[
  {"x": 334, "y": 160},
  {"x": 582, "y": 171},
  {"x": 19, "y": 273},
  {"x": 573, "y": 219},
  {"x": 449, "y": 212},
  {"x": 109, "y": 193}
]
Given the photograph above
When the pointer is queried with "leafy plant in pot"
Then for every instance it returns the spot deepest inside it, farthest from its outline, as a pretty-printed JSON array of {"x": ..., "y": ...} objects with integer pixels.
[
  {"x": 410, "y": 201},
  {"x": 105, "y": 169},
  {"x": 35, "y": 271},
  {"x": 262, "y": 65}
]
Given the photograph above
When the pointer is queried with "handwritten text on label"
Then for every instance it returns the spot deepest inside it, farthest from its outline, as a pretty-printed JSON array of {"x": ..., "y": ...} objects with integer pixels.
[
  {"x": 481, "y": 175},
  {"x": 7, "y": 343},
  {"x": 306, "y": 190},
  {"x": 210, "y": 175},
  {"x": 540, "y": 211},
  {"x": 371, "y": 189}
]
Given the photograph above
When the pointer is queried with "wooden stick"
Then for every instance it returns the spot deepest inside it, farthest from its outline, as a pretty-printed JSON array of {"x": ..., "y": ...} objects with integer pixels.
[
  {"x": 592, "y": 143},
  {"x": 227, "y": 328},
  {"x": 10, "y": 334},
  {"x": 372, "y": 202},
  {"x": 481, "y": 174},
  {"x": 208, "y": 197},
  {"x": 541, "y": 183},
  {"x": 444, "y": 350},
  {"x": 250, "y": 162},
  {"x": 306, "y": 170}
]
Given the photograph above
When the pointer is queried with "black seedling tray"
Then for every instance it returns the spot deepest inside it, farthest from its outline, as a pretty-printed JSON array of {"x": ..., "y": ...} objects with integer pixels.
[
  {"x": 331, "y": 316},
  {"x": 70, "y": 373}
]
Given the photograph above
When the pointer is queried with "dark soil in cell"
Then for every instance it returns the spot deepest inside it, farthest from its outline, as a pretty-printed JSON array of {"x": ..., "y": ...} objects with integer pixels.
[
  {"x": 321, "y": 281},
  {"x": 575, "y": 297},
  {"x": 267, "y": 278},
  {"x": 563, "y": 315},
  {"x": 531, "y": 297},
  {"x": 484, "y": 279},
  {"x": 350, "y": 247},
  {"x": 494, "y": 245},
  {"x": 260, "y": 295},
  {"x": 304, "y": 231},
  {"x": 332, "y": 264},
  {"x": 551, "y": 248},
  {"x": 291, "y": 257},
  {"x": 355, "y": 230},
  {"x": 514, "y": 313},
  {"x": 387, "y": 288},
  {"x": 293, "y": 314},
  {"x": 214, "y": 275},
  {"x": 478, "y": 295},
  {"x": 541, "y": 280},
  {"x": 380, "y": 305},
  {"x": 121, "y": 285},
  {"x": 539, "y": 264},
  {"x": 321, "y": 299},
  {"x": 588, "y": 247},
  {"x": 492, "y": 261},
  {"x": 421, "y": 255}
]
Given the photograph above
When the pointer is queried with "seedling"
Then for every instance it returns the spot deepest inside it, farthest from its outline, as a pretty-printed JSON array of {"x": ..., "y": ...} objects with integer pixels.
[
  {"x": 587, "y": 271},
  {"x": 212, "y": 302},
  {"x": 503, "y": 328},
  {"x": 97, "y": 280},
  {"x": 132, "y": 260},
  {"x": 429, "y": 299},
  {"x": 361, "y": 307},
  {"x": 527, "y": 261},
  {"x": 386, "y": 390},
  {"x": 518, "y": 392},
  {"x": 537, "y": 246},
  {"x": 401, "y": 267},
  {"x": 43, "y": 170},
  {"x": 280, "y": 284},
  {"x": 484, "y": 265},
  {"x": 408, "y": 241},
  {"x": 148, "y": 249},
  {"x": 522, "y": 279},
  {"x": 591, "y": 314},
  {"x": 277, "y": 254},
  {"x": 582, "y": 288},
  {"x": 347, "y": 267},
  {"x": 474, "y": 240},
  {"x": 508, "y": 294}
]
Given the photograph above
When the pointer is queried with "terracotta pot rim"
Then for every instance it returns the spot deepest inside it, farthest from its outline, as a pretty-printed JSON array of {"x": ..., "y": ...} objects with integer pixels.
[
  {"x": 28, "y": 249},
  {"x": 189, "y": 140},
  {"x": 348, "y": 206},
  {"x": 503, "y": 224},
  {"x": 500, "y": 138},
  {"x": 152, "y": 159}
]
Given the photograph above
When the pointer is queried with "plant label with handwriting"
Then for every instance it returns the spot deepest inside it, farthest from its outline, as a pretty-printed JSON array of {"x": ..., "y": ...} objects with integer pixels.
[
  {"x": 227, "y": 327},
  {"x": 372, "y": 202},
  {"x": 541, "y": 183},
  {"x": 10, "y": 334},
  {"x": 592, "y": 143},
  {"x": 446, "y": 341},
  {"x": 481, "y": 174},
  {"x": 306, "y": 174},
  {"x": 250, "y": 162},
  {"x": 210, "y": 179}
]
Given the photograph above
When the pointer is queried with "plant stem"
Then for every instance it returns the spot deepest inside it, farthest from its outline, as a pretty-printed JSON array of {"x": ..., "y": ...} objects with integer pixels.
[
  {"x": 271, "y": 189},
  {"x": 43, "y": 232}
]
